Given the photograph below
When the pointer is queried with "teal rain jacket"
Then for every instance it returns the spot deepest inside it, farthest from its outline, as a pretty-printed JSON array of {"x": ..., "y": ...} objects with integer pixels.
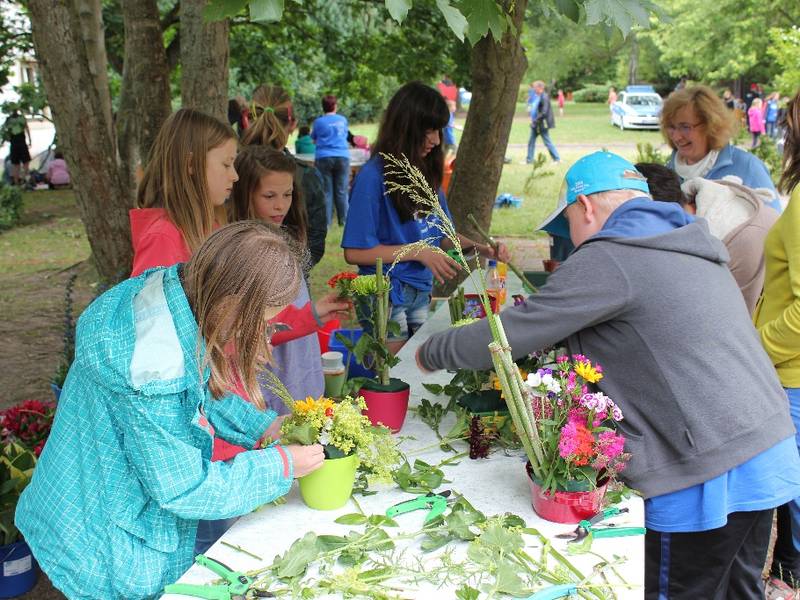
[{"x": 112, "y": 509}]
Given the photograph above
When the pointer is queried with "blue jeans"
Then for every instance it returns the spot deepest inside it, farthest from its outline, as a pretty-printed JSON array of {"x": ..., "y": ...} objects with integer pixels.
[
  {"x": 208, "y": 532},
  {"x": 335, "y": 171},
  {"x": 771, "y": 128},
  {"x": 545, "y": 133}
]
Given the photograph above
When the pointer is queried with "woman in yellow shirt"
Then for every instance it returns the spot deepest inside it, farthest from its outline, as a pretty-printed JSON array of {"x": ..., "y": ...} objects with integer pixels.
[{"x": 777, "y": 318}]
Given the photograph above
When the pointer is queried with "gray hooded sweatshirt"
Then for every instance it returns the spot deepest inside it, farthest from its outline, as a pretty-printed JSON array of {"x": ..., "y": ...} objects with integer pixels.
[{"x": 664, "y": 317}]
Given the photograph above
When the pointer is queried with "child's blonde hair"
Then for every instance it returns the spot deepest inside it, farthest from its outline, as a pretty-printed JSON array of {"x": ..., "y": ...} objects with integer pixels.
[
  {"x": 241, "y": 271},
  {"x": 756, "y": 102},
  {"x": 175, "y": 175},
  {"x": 272, "y": 110}
]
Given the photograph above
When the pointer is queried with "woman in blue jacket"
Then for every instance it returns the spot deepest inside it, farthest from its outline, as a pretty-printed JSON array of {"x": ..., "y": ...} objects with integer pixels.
[
  {"x": 698, "y": 128},
  {"x": 112, "y": 509}
]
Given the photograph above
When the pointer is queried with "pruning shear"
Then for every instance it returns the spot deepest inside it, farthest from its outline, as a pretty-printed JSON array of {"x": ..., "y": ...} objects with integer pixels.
[
  {"x": 238, "y": 586},
  {"x": 434, "y": 503},
  {"x": 587, "y": 527},
  {"x": 555, "y": 591}
]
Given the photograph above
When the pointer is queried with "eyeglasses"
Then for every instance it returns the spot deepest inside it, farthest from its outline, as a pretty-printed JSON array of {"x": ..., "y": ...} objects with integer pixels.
[{"x": 682, "y": 128}]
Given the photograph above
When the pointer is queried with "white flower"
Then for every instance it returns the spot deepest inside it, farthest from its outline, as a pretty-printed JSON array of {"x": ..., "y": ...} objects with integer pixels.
[
  {"x": 534, "y": 380},
  {"x": 616, "y": 413}
]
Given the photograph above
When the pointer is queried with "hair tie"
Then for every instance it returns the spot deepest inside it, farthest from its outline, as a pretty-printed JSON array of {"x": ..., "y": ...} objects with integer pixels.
[{"x": 269, "y": 109}]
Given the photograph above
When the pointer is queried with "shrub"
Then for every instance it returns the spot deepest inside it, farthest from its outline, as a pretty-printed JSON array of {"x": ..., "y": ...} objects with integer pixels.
[
  {"x": 10, "y": 206},
  {"x": 647, "y": 153},
  {"x": 767, "y": 151},
  {"x": 591, "y": 93}
]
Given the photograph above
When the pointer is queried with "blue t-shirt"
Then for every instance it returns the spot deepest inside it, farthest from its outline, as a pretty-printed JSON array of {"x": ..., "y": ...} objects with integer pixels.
[
  {"x": 449, "y": 131},
  {"x": 772, "y": 111},
  {"x": 533, "y": 106},
  {"x": 765, "y": 481},
  {"x": 373, "y": 221},
  {"x": 329, "y": 132}
]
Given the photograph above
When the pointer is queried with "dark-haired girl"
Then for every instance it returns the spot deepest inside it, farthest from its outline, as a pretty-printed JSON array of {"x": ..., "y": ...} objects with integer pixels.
[{"x": 383, "y": 223}]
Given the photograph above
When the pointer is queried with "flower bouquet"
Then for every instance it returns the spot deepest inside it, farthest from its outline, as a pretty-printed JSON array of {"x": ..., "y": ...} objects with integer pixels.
[
  {"x": 351, "y": 443},
  {"x": 386, "y": 398}
]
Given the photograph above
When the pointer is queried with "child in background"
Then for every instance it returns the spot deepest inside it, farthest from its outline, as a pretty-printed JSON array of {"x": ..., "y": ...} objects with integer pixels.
[
  {"x": 449, "y": 132},
  {"x": 180, "y": 199},
  {"x": 771, "y": 114},
  {"x": 560, "y": 103},
  {"x": 332, "y": 157},
  {"x": 411, "y": 126},
  {"x": 755, "y": 118},
  {"x": 304, "y": 144},
  {"x": 57, "y": 171},
  {"x": 274, "y": 123},
  {"x": 266, "y": 190},
  {"x": 112, "y": 508}
]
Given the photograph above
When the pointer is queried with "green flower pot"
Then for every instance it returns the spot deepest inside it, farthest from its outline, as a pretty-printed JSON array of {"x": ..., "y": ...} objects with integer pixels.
[{"x": 330, "y": 486}]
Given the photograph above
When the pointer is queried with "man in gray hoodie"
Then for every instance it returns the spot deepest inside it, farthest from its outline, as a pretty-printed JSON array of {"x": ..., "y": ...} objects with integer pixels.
[{"x": 648, "y": 295}]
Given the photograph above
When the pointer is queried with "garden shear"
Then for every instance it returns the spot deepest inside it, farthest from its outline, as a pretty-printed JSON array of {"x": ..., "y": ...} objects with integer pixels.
[
  {"x": 238, "y": 586},
  {"x": 434, "y": 502},
  {"x": 587, "y": 527}
]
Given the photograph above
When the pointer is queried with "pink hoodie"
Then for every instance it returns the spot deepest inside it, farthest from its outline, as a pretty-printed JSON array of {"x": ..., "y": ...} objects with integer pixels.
[{"x": 756, "y": 119}]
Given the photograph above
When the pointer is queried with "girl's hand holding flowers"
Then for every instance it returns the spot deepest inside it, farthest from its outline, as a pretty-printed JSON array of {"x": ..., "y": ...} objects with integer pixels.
[
  {"x": 502, "y": 254},
  {"x": 332, "y": 306},
  {"x": 305, "y": 459}
]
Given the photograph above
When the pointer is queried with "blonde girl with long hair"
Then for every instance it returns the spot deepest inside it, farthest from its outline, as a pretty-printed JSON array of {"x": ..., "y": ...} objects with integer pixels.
[
  {"x": 267, "y": 191},
  {"x": 141, "y": 405},
  {"x": 274, "y": 122},
  {"x": 188, "y": 177}
]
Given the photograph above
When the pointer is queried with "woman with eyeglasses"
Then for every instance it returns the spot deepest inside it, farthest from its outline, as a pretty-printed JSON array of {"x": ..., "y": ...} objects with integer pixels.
[{"x": 699, "y": 129}]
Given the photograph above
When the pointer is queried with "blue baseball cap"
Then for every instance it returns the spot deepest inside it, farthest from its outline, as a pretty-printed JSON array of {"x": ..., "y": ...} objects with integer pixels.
[{"x": 598, "y": 172}]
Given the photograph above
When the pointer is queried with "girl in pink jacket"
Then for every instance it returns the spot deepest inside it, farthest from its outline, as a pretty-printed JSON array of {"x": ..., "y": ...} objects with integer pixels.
[{"x": 755, "y": 119}]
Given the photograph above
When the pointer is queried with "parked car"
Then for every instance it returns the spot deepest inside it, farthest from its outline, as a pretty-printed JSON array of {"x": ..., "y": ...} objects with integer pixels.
[{"x": 638, "y": 107}]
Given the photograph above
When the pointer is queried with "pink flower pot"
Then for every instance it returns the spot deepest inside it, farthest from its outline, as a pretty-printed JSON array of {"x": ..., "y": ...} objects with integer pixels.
[
  {"x": 565, "y": 506},
  {"x": 386, "y": 406}
]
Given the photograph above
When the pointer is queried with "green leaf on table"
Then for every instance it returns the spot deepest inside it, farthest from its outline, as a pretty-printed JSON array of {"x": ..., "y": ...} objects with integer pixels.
[
  {"x": 508, "y": 580},
  {"x": 377, "y": 574},
  {"x": 466, "y": 592},
  {"x": 351, "y": 519},
  {"x": 296, "y": 559},
  {"x": 423, "y": 479},
  {"x": 433, "y": 388},
  {"x": 398, "y": 9},
  {"x": 382, "y": 521},
  {"x": 498, "y": 537},
  {"x": 327, "y": 543},
  {"x": 434, "y": 541}
]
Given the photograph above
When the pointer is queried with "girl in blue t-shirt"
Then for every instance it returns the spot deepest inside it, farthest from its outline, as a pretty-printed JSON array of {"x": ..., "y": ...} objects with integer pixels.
[{"x": 411, "y": 126}]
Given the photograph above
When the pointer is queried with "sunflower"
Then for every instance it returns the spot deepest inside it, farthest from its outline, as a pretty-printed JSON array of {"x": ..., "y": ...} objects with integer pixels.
[{"x": 585, "y": 369}]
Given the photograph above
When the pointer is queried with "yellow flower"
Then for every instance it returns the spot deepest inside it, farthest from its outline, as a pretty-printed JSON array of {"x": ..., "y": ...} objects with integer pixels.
[
  {"x": 587, "y": 371},
  {"x": 309, "y": 405}
]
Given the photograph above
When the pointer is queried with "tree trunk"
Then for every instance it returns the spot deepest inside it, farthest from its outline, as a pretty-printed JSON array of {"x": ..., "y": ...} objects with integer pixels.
[
  {"x": 90, "y": 16},
  {"x": 145, "y": 96},
  {"x": 633, "y": 63},
  {"x": 204, "y": 61},
  {"x": 497, "y": 70},
  {"x": 79, "y": 106}
]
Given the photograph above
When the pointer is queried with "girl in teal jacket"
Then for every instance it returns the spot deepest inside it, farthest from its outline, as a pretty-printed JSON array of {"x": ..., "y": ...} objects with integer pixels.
[{"x": 112, "y": 508}]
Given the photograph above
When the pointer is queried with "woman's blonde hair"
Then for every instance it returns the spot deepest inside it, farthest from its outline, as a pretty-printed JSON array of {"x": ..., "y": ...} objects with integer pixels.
[
  {"x": 240, "y": 272},
  {"x": 791, "y": 149},
  {"x": 252, "y": 163},
  {"x": 175, "y": 175},
  {"x": 720, "y": 126},
  {"x": 272, "y": 110}
]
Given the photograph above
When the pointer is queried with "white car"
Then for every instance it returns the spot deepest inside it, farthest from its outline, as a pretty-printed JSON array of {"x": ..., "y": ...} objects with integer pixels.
[{"x": 638, "y": 107}]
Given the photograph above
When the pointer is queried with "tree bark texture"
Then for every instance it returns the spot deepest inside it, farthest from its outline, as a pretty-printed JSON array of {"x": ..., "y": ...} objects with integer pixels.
[
  {"x": 145, "y": 100},
  {"x": 79, "y": 108},
  {"x": 90, "y": 16},
  {"x": 204, "y": 61},
  {"x": 497, "y": 70}
]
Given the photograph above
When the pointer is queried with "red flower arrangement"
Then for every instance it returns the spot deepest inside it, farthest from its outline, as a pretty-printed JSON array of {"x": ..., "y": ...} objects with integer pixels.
[
  {"x": 28, "y": 423},
  {"x": 341, "y": 282}
]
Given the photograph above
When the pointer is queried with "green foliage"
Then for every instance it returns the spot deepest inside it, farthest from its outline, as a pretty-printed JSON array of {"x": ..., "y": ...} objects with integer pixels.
[
  {"x": 767, "y": 151},
  {"x": 423, "y": 478},
  {"x": 10, "y": 206},
  {"x": 592, "y": 93},
  {"x": 785, "y": 49},
  {"x": 16, "y": 469},
  {"x": 648, "y": 153},
  {"x": 67, "y": 334}
]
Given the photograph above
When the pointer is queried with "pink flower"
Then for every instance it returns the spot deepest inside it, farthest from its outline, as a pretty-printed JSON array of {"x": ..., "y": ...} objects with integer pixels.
[{"x": 610, "y": 445}]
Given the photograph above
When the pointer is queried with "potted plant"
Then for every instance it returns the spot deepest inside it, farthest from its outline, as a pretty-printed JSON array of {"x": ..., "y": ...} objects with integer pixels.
[
  {"x": 577, "y": 428},
  {"x": 351, "y": 443},
  {"x": 24, "y": 429},
  {"x": 386, "y": 398},
  {"x": 530, "y": 422}
]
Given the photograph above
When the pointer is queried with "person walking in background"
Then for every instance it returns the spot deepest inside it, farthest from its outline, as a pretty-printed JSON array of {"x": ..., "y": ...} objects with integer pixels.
[
  {"x": 771, "y": 114},
  {"x": 332, "y": 157},
  {"x": 755, "y": 118},
  {"x": 15, "y": 129},
  {"x": 777, "y": 319},
  {"x": 560, "y": 103},
  {"x": 612, "y": 97},
  {"x": 728, "y": 99},
  {"x": 542, "y": 121}
]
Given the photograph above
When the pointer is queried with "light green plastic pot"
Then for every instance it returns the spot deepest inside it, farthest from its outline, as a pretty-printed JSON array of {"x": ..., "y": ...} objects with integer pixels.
[{"x": 330, "y": 486}]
